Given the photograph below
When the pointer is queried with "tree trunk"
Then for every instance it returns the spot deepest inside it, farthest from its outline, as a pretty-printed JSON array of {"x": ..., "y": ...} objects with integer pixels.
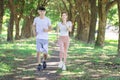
[
  {"x": 10, "y": 28},
  {"x": 11, "y": 22},
  {"x": 1, "y": 14},
  {"x": 26, "y": 31},
  {"x": 102, "y": 23},
  {"x": 17, "y": 29},
  {"x": 118, "y": 1},
  {"x": 93, "y": 20},
  {"x": 84, "y": 17},
  {"x": 79, "y": 27}
]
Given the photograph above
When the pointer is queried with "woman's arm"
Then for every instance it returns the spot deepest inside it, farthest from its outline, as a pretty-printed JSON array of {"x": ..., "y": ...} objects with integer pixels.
[
  {"x": 69, "y": 28},
  {"x": 58, "y": 29}
]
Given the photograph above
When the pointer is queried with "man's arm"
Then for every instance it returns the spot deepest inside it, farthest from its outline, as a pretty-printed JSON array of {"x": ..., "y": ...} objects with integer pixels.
[
  {"x": 47, "y": 30},
  {"x": 34, "y": 30}
]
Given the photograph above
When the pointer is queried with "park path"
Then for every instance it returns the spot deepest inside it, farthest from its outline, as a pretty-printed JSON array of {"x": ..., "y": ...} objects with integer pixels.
[{"x": 26, "y": 70}]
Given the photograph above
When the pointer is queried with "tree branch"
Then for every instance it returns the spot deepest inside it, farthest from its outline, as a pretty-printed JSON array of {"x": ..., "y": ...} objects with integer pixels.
[{"x": 110, "y": 4}]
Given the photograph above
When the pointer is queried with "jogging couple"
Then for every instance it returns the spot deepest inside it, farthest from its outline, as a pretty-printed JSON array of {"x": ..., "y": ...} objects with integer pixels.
[{"x": 41, "y": 27}]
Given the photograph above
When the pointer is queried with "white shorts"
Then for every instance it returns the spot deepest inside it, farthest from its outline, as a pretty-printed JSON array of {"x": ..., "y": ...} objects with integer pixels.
[{"x": 42, "y": 45}]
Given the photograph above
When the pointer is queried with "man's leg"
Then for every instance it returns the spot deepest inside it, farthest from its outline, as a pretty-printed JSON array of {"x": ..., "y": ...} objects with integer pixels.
[
  {"x": 45, "y": 57},
  {"x": 45, "y": 50},
  {"x": 39, "y": 61},
  {"x": 39, "y": 48},
  {"x": 44, "y": 60},
  {"x": 38, "y": 57}
]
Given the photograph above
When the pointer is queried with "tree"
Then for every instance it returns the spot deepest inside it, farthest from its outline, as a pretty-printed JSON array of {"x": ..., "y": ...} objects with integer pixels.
[
  {"x": 93, "y": 20},
  {"x": 19, "y": 5},
  {"x": 11, "y": 21},
  {"x": 118, "y": 2},
  {"x": 83, "y": 22},
  {"x": 103, "y": 8},
  {"x": 1, "y": 14}
]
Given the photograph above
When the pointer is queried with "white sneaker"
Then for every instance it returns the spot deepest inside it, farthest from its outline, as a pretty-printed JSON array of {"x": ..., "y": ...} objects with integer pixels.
[
  {"x": 64, "y": 67},
  {"x": 60, "y": 65}
]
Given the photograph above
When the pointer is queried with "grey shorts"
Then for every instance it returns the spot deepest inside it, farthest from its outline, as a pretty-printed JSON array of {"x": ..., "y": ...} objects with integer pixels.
[{"x": 42, "y": 45}]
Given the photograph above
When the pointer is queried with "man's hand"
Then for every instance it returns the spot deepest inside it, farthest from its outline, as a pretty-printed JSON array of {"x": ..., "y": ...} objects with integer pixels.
[{"x": 45, "y": 30}]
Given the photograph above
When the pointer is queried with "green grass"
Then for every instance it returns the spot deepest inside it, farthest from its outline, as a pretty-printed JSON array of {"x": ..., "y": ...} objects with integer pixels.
[
  {"x": 12, "y": 53},
  {"x": 84, "y": 61}
]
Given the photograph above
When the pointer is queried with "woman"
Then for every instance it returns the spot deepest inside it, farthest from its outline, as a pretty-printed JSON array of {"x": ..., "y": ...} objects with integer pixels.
[{"x": 63, "y": 28}]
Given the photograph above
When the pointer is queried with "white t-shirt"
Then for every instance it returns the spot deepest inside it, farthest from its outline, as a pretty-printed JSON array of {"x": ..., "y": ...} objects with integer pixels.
[
  {"x": 40, "y": 25},
  {"x": 63, "y": 29}
]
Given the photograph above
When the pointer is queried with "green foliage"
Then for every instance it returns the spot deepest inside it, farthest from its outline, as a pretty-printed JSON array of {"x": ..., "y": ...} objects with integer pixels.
[
  {"x": 113, "y": 16},
  {"x": 53, "y": 12}
]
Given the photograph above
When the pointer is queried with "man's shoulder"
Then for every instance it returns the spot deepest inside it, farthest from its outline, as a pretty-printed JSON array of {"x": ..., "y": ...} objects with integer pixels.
[
  {"x": 47, "y": 18},
  {"x": 36, "y": 18}
]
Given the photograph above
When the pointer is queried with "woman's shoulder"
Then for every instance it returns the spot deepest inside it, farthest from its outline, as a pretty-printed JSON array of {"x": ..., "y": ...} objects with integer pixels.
[
  {"x": 69, "y": 23},
  {"x": 59, "y": 23}
]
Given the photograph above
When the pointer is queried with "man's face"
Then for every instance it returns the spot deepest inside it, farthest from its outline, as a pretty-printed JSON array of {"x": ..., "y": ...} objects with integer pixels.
[{"x": 42, "y": 12}]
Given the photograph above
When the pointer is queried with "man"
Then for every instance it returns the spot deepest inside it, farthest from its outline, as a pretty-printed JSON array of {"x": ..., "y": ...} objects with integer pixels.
[{"x": 41, "y": 27}]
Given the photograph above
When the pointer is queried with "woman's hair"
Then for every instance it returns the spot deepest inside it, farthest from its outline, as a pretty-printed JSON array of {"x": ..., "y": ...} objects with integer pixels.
[{"x": 64, "y": 12}]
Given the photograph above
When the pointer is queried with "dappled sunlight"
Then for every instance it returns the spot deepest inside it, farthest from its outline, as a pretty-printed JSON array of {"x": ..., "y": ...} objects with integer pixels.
[
  {"x": 104, "y": 57},
  {"x": 18, "y": 59},
  {"x": 84, "y": 61},
  {"x": 43, "y": 78},
  {"x": 52, "y": 63},
  {"x": 66, "y": 73}
]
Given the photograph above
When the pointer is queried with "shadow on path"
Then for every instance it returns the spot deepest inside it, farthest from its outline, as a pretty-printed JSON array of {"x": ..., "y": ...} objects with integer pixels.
[{"x": 26, "y": 70}]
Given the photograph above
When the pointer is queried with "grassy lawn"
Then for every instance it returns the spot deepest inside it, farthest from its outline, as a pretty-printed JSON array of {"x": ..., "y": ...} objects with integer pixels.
[{"x": 84, "y": 61}]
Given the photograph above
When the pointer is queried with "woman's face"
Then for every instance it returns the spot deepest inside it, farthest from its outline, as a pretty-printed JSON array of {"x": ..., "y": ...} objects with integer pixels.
[{"x": 64, "y": 16}]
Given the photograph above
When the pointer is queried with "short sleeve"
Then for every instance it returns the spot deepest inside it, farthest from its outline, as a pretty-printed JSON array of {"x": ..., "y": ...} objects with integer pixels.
[
  {"x": 49, "y": 22},
  {"x": 70, "y": 24},
  {"x": 58, "y": 25}
]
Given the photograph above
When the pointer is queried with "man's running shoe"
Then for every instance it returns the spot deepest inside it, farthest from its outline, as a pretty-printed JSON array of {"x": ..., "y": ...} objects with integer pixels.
[
  {"x": 44, "y": 65},
  {"x": 39, "y": 67}
]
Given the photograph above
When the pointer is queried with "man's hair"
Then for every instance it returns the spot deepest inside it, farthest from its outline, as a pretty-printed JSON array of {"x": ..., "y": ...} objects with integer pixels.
[{"x": 41, "y": 8}]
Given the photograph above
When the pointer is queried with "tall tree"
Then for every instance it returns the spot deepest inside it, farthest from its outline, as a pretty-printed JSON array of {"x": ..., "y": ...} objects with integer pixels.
[
  {"x": 103, "y": 8},
  {"x": 1, "y": 14},
  {"x": 83, "y": 7},
  {"x": 118, "y": 2},
  {"x": 11, "y": 21},
  {"x": 19, "y": 5},
  {"x": 93, "y": 20}
]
